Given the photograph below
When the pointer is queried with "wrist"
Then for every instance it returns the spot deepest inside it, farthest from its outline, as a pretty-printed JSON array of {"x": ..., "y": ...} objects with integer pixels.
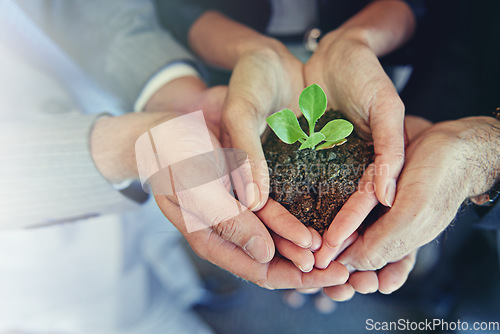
[
  {"x": 222, "y": 41},
  {"x": 382, "y": 26},
  {"x": 353, "y": 34},
  {"x": 175, "y": 94},
  {"x": 482, "y": 137},
  {"x": 112, "y": 143},
  {"x": 260, "y": 43}
]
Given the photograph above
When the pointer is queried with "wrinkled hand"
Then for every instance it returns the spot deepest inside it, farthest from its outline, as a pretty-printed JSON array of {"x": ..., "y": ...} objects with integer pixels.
[
  {"x": 237, "y": 241},
  {"x": 343, "y": 232},
  {"x": 222, "y": 230},
  {"x": 446, "y": 164},
  {"x": 356, "y": 84},
  {"x": 264, "y": 81}
]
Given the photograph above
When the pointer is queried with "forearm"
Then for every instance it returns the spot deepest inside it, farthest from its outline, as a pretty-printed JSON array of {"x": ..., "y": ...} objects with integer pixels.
[
  {"x": 221, "y": 41},
  {"x": 383, "y": 25}
]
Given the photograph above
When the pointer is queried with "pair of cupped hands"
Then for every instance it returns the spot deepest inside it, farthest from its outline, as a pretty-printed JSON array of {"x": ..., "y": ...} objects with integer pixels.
[{"x": 415, "y": 174}]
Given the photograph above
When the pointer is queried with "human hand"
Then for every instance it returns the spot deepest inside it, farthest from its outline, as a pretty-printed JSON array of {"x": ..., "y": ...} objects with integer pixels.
[
  {"x": 218, "y": 227},
  {"x": 264, "y": 80},
  {"x": 448, "y": 163},
  {"x": 342, "y": 233},
  {"x": 356, "y": 84},
  {"x": 188, "y": 94},
  {"x": 279, "y": 273},
  {"x": 345, "y": 64}
]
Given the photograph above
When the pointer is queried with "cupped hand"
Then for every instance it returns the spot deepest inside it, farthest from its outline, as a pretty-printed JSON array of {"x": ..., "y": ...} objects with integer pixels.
[
  {"x": 264, "y": 80},
  {"x": 356, "y": 84},
  {"x": 448, "y": 163},
  {"x": 188, "y": 94},
  {"x": 342, "y": 233},
  {"x": 196, "y": 195},
  {"x": 222, "y": 230}
]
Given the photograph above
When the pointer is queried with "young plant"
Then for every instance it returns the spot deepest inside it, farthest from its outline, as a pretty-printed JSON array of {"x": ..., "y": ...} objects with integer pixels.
[{"x": 312, "y": 104}]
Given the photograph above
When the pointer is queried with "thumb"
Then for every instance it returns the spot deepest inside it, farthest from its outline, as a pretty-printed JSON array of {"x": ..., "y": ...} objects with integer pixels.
[
  {"x": 241, "y": 130},
  {"x": 383, "y": 242},
  {"x": 214, "y": 206},
  {"x": 387, "y": 126},
  {"x": 362, "y": 256}
]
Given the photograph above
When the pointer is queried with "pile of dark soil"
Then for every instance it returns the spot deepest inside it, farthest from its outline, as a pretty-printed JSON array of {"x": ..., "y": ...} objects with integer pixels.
[{"x": 314, "y": 185}]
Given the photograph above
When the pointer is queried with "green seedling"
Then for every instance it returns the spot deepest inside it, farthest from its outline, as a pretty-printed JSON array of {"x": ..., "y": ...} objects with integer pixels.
[{"x": 312, "y": 104}]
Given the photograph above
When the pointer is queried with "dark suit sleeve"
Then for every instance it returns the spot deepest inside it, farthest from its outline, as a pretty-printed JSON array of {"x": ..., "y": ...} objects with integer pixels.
[
  {"x": 491, "y": 220},
  {"x": 179, "y": 15}
]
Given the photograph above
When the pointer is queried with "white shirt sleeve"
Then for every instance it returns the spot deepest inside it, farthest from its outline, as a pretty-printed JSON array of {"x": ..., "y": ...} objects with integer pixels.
[{"x": 164, "y": 76}]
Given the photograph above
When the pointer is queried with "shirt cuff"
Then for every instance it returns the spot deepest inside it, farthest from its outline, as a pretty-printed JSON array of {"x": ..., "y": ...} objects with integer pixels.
[{"x": 169, "y": 73}]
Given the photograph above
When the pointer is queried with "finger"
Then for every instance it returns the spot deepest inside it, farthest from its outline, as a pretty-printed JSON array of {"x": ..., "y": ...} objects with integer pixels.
[
  {"x": 277, "y": 274},
  {"x": 354, "y": 211},
  {"x": 241, "y": 130},
  {"x": 362, "y": 257},
  {"x": 327, "y": 254},
  {"x": 386, "y": 241},
  {"x": 211, "y": 105},
  {"x": 286, "y": 225},
  {"x": 364, "y": 281},
  {"x": 348, "y": 219},
  {"x": 406, "y": 136},
  {"x": 215, "y": 208},
  {"x": 394, "y": 275},
  {"x": 340, "y": 293},
  {"x": 316, "y": 239},
  {"x": 386, "y": 123},
  {"x": 301, "y": 257},
  {"x": 280, "y": 276},
  {"x": 308, "y": 291}
]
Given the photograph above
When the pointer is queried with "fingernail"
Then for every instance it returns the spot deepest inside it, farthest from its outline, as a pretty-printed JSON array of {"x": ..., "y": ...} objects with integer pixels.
[
  {"x": 303, "y": 245},
  {"x": 315, "y": 247},
  {"x": 390, "y": 193},
  {"x": 257, "y": 249},
  {"x": 252, "y": 196},
  {"x": 304, "y": 270},
  {"x": 322, "y": 267},
  {"x": 333, "y": 247},
  {"x": 267, "y": 286}
]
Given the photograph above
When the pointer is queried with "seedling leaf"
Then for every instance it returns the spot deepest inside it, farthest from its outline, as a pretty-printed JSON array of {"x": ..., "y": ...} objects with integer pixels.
[
  {"x": 327, "y": 145},
  {"x": 312, "y": 141},
  {"x": 286, "y": 126},
  {"x": 336, "y": 130},
  {"x": 312, "y": 103}
]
